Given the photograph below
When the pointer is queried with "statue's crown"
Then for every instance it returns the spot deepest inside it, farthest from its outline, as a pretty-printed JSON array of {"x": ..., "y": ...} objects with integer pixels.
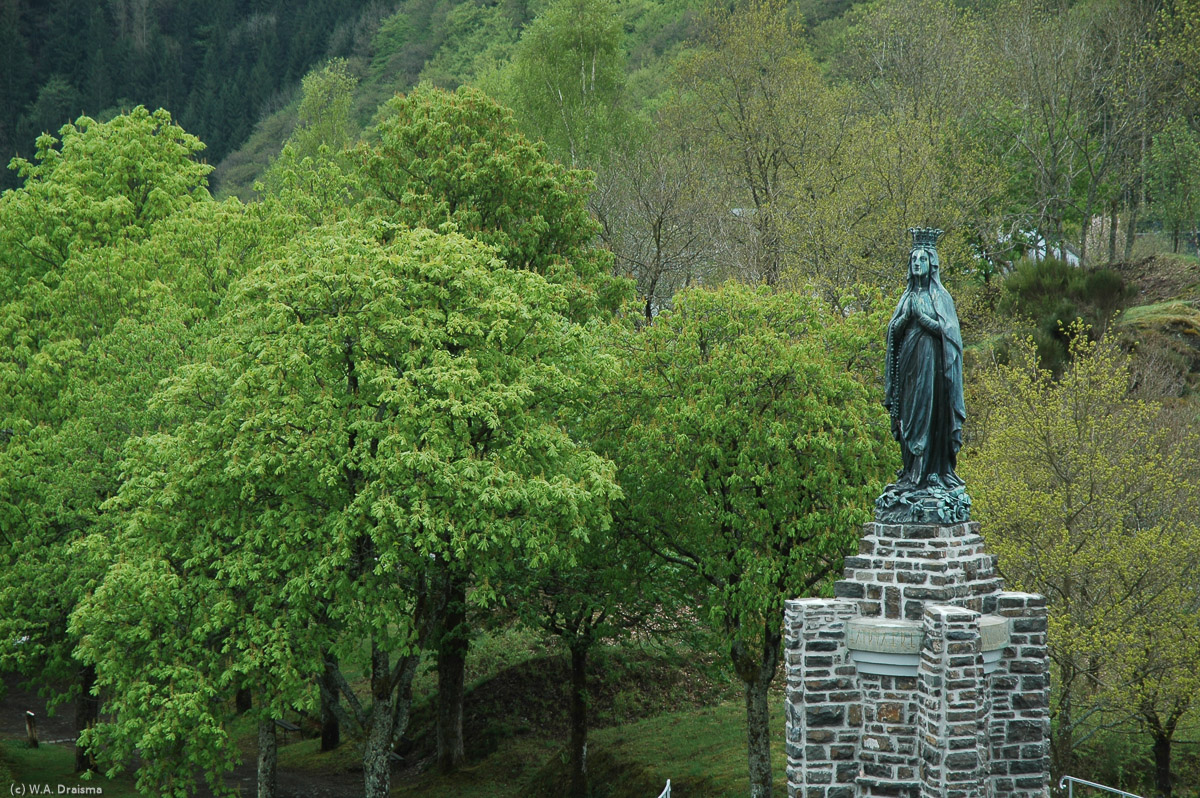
[{"x": 925, "y": 236}]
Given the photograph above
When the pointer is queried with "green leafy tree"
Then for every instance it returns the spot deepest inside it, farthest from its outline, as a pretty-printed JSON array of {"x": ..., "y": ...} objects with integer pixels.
[
  {"x": 609, "y": 587},
  {"x": 1089, "y": 499},
  {"x": 315, "y": 176},
  {"x": 440, "y": 158},
  {"x": 87, "y": 326},
  {"x": 325, "y": 114},
  {"x": 751, "y": 453},
  {"x": 370, "y": 419},
  {"x": 567, "y": 79},
  {"x": 1173, "y": 174},
  {"x": 752, "y": 96}
]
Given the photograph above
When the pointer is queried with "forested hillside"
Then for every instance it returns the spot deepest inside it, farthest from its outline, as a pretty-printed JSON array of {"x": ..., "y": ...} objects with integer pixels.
[
  {"x": 359, "y": 360},
  {"x": 219, "y": 67}
]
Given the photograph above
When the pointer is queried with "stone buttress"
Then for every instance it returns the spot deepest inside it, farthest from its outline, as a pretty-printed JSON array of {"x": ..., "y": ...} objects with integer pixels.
[{"x": 922, "y": 678}]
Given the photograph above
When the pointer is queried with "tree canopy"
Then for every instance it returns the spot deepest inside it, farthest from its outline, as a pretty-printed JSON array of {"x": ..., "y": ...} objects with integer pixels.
[
  {"x": 1088, "y": 497},
  {"x": 749, "y": 455}
]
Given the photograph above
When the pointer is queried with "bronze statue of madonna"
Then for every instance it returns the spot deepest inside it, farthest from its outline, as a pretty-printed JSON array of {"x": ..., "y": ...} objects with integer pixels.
[{"x": 924, "y": 395}]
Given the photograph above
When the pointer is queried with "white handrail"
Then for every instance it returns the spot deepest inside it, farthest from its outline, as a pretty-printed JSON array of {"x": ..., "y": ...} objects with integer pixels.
[
  {"x": 1068, "y": 783},
  {"x": 666, "y": 793}
]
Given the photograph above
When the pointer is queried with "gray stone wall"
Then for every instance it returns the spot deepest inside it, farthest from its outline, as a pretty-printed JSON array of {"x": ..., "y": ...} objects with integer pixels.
[
  {"x": 957, "y": 727},
  {"x": 1019, "y": 724},
  {"x": 824, "y": 704},
  {"x": 900, "y": 567},
  {"x": 953, "y": 704},
  {"x": 889, "y": 740}
]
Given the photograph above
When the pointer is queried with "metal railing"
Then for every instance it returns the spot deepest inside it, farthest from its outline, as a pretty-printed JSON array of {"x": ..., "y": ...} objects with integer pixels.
[
  {"x": 1068, "y": 783},
  {"x": 666, "y": 793}
]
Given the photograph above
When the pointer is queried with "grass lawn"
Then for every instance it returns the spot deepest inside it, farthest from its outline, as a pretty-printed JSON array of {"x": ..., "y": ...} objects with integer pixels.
[
  {"x": 702, "y": 752},
  {"x": 48, "y": 767}
]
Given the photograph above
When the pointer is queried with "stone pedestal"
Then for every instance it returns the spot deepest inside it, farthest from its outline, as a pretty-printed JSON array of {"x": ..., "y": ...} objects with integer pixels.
[{"x": 921, "y": 679}]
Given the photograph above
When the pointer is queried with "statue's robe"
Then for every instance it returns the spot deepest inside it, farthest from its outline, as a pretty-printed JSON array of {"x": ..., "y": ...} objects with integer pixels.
[{"x": 924, "y": 390}]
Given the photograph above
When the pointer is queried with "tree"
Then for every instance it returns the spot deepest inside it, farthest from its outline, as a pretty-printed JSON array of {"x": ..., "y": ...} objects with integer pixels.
[
  {"x": 820, "y": 180},
  {"x": 656, "y": 216},
  {"x": 911, "y": 154},
  {"x": 567, "y": 79},
  {"x": 752, "y": 97},
  {"x": 370, "y": 419},
  {"x": 1139, "y": 83},
  {"x": 1088, "y": 498},
  {"x": 441, "y": 158},
  {"x": 610, "y": 587},
  {"x": 324, "y": 116},
  {"x": 438, "y": 157},
  {"x": 750, "y": 454},
  {"x": 1173, "y": 174},
  {"x": 1176, "y": 27},
  {"x": 1071, "y": 89},
  {"x": 919, "y": 56},
  {"x": 87, "y": 327}
]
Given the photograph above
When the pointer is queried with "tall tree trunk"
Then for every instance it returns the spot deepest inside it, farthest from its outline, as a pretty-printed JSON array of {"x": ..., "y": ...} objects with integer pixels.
[
  {"x": 1130, "y": 233},
  {"x": 1113, "y": 217},
  {"x": 452, "y": 644},
  {"x": 579, "y": 718},
  {"x": 87, "y": 712},
  {"x": 331, "y": 730},
  {"x": 387, "y": 719},
  {"x": 268, "y": 758},
  {"x": 1062, "y": 730},
  {"x": 377, "y": 769},
  {"x": 1162, "y": 763},
  {"x": 756, "y": 673},
  {"x": 243, "y": 700}
]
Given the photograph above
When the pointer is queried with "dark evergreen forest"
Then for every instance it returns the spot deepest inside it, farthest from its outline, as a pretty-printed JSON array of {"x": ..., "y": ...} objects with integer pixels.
[{"x": 217, "y": 65}]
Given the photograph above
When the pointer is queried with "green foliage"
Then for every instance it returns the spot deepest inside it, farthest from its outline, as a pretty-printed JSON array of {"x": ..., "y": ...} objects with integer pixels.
[
  {"x": 479, "y": 38},
  {"x": 1176, "y": 28},
  {"x": 749, "y": 452},
  {"x": 816, "y": 181},
  {"x": 390, "y": 38},
  {"x": 371, "y": 404},
  {"x": 751, "y": 97},
  {"x": 315, "y": 177},
  {"x": 752, "y": 450},
  {"x": 458, "y": 158},
  {"x": 567, "y": 80},
  {"x": 1173, "y": 174},
  {"x": 218, "y": 67},
  {"x": 325, "y": 104},
  {"x": 1054, "y": 294},
  {"x": 96, "y": 184},
  {"x": 88, "y": 324},
  {"x": 1088, "y": 497}
]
